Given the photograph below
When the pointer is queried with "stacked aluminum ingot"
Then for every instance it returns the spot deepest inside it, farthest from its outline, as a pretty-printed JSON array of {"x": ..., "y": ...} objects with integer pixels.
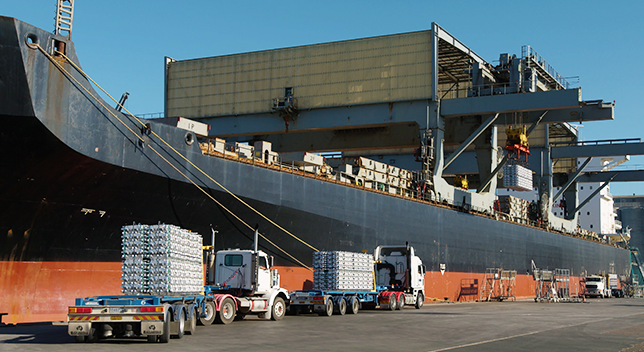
[
  {"x": 161, "y": 259},
  {"x": 515, "y": 207},
  {"x": 342, "y": 271},
  {"x": 517, "y": 177}
]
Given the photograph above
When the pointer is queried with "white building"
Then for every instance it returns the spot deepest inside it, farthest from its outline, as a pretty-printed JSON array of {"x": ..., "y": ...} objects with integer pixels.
[{"x": 598, "y": 214}]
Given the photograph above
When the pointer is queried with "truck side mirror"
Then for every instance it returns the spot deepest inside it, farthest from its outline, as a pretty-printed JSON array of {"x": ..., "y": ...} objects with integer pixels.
[{"x": 270, "y": 261}]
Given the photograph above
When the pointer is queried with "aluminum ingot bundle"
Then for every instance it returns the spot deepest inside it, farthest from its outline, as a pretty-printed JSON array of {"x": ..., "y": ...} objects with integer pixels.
[
  {"x": 342, "y": 271},
  {"x": 161, "y": 259},
  {"x": 515, "y": 207},
  {"x": 517, "y": 177}
]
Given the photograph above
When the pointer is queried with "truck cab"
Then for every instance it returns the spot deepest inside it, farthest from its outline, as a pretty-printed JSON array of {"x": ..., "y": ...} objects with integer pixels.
[
  {"x": 244, "y": 282},
  {"x": 398, "y": 268},
  {"x": 245, "y": 270},
  {"x": 596, "y": 286}
]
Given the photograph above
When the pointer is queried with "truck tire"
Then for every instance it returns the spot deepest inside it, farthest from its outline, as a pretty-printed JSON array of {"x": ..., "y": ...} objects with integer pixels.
[
  {"x": 420, "y": 300},
  {"x": 227, "y": 311},
  {"x": 278, "y": 309},
  {"x": 79, "y": 338},
  {"x": 393, "y": 302},
  {"x": 328, "y": 311},
  {"x": 293, "y": 310},
  {"x": 210, "y": 312},
  {"x": 341, "y": 308},
  {"x": 182, "y": 323},
  {"x": 354, "y": 305},
  {"x": 165, "y": 337},
  {"x": 93, "y": 336},
  {"x": 153, "y": 338},
  {"x": 192, "y": 322},
  {"x": 401, "y": 301}
]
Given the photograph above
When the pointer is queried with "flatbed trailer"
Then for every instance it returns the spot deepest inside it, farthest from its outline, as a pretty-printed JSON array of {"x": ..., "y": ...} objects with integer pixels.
[
  {"x": 340, "y": 302},
  {"x": 154, "y": 317}
]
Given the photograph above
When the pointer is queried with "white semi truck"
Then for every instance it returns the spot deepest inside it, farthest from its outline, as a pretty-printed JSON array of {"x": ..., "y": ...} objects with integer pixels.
[
  {"x": 398, "y": 280},
  {"x": 242, "y": 282},
  {"x": 597, "y": 286}
]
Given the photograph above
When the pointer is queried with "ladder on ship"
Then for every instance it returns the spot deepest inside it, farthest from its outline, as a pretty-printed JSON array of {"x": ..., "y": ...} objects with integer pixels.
[{"x": 64, "y": 18}]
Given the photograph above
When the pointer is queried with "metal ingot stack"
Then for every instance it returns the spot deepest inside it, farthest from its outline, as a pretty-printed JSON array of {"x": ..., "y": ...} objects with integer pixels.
[
  {"x": 517, "y": 177},
  {"x": 135, "y": 266},
  {"x": 342, "y": 271},
  {"x": 515, "y": 207},
  {"x": 161, "y": 259}
]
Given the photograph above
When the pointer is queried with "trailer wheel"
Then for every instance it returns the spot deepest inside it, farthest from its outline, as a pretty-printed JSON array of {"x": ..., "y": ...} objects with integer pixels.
[
  {"x": 182, "y": 323},
  {"x": 420, "y": 299},
  {"x": 227, "y": 311},
  {"x": 401, "y": 301},
  {"x": 192, "y": 322},
  {"x": 279, "y": 309},
  {"x": 341, "y": 308},
  {"x": 328, "y": 311},
  {"x": 165, "y": 337},
  {"x": 353, "y": 306},
  {"x": 393, "y": 302},
  {"x": 209, "y": 312}
]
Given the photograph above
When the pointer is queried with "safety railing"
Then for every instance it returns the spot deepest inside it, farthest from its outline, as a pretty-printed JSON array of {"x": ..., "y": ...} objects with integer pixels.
[{"x": 528, "y": 53}]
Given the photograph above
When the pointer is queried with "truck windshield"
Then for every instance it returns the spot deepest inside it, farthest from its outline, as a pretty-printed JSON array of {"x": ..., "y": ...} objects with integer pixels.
[{"x": 596, "y": 279}]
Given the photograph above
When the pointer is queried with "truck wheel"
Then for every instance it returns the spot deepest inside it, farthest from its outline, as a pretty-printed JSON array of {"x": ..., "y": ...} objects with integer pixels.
[
  {"x": 393, "y": 302},
  {"x": 92, "y": 337},
  {"x": 279, "y": 309},
  {"x": 420, "y": 300},
  {"x": 328, "y": 311},
  {"x": 182, "y": 324},
  {"x": 79, "y": 338},
  {"x": 209, "y": 312},
  {"x": 354, "y": 305},
  {"x": 293, "y": 310},
  {"x": 342, "y": 307},
  {"x": 227, "y": 311},
  {"x": 401, "y": 301},
  {"x": 192, "y": 323},
  {"x": 153, "y": 338},
  {"x": 165, "y": 337}
]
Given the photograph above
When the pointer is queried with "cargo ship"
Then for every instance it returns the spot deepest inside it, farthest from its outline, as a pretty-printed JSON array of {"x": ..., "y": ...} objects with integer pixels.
[{"x": 75, "y": 170}]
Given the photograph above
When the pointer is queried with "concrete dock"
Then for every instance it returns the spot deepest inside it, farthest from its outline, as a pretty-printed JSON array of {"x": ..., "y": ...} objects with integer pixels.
[{"x": 597, "y": 325}]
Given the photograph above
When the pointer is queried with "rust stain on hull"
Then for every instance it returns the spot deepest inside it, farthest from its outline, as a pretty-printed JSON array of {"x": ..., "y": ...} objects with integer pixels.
[{"x": 42, "y": 291}]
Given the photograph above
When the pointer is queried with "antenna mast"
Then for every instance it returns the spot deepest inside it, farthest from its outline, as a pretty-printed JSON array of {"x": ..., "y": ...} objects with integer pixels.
[{"x": 64, "y": 17}]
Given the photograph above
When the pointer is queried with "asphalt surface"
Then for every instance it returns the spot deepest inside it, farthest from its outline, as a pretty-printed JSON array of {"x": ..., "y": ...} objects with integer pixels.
[{"x": 597, "y": 325}]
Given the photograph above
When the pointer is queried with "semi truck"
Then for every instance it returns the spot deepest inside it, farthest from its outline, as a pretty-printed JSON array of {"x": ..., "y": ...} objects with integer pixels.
[
  {"x": 597, "y": 286},
  {"x": 398, "y": 278},
  {"x": 241, "y": 282}
]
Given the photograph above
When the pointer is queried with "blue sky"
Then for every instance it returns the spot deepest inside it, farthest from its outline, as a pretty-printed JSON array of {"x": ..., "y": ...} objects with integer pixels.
[{"x": 122, "y": 44}]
